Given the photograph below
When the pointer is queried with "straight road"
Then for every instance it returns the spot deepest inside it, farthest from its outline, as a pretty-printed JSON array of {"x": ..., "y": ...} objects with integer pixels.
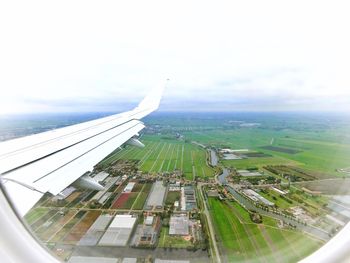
[{"x": 210, "y": 224}]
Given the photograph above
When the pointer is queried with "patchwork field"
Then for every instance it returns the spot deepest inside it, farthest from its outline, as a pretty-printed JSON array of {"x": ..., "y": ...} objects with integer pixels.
[
  {"x": 241, "y": 240},
  {"x": 80, "y": 228},
  {"x": 135, "y": 199},
  {"x": 60, "y": 235}
]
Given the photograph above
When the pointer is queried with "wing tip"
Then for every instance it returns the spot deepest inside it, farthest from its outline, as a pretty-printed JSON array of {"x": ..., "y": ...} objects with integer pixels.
[{"x": 152, "y": 101}]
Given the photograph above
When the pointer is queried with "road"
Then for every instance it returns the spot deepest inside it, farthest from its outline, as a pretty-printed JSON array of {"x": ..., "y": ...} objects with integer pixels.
[
  {"x": 210, "y": 224},
  {"x": 198, "y": 256},
  {"x": 319, "y": 233},
  {"x": 314, "y": 231}
]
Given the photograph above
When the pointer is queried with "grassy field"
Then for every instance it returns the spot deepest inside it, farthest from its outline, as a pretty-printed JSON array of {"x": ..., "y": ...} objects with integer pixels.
[
  {"x": 35, "y": 214},
  {"x": 168, "y": 241},
  {"x": 172, "y": 197},
  {"x": 142, "y": 197},
  {"x": 305, "y": 140},
  {"x": 162, "y": 154},
  {"x": 243, "y": 241},
  {"x": 315, "y": 153},
  {"x": 258, "y": 162}
]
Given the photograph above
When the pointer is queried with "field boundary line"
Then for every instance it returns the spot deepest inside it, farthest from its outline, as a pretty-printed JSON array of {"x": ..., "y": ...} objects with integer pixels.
[
  {"x": 148, "y": 154},
  {"x": 156, "y": 160},
  {"x": 171, "y": 157},
  {"x": 53, "y": 235},
  {"x": 141, "y": 191},
  {"x": 165, "y": 156}
]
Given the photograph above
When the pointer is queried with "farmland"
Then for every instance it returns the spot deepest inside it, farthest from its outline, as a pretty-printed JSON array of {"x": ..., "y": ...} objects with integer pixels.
[
  {"x": 299, "y": 139},
  {"x": 241, "y": 240},
  {"x": 166, "y": 154},
  {"x": 290, "y": 152}
]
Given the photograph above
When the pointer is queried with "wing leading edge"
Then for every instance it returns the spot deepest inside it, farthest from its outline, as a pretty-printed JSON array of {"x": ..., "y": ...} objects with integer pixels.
[{"x": 51, "y": 161}]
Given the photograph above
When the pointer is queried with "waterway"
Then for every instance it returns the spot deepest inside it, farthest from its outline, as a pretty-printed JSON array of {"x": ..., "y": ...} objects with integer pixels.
[
  {"x": 213, "y": 158},
  {"x": 222, "y": 177}
]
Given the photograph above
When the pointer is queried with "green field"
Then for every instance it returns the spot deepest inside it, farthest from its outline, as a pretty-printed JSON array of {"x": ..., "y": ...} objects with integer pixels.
[
  {"x": 142, "y": 197},
  {"x": 166, "y": 155},
  {"x": 309, "y": 141},
  {"x": 315, "y": 154},
  {"x": 172, "y": 197},
  {"x": 241, "y": 240},
  {"x": 35, "y": 214},
  {"x": 165, "y": 240}
]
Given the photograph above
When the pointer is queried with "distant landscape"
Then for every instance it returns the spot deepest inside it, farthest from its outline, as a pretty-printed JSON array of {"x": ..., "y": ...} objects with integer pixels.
[{"x": 250, "y": 187}]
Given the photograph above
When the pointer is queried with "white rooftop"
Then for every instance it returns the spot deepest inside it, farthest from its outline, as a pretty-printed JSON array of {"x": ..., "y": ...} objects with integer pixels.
[
  {"x": 101, "y": 176},
  {"x": 129, "y": 187},
  {"x": 149, "y": 220},
  {"x": 123, "y": 221}
]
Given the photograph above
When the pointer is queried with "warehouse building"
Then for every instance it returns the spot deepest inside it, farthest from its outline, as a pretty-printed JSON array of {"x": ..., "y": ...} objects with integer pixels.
[
  {"x": 146, "y": 234},
  {"x": 119, "y": 231},
  {"x": 101, "y": 176},
  {"x": 156, "y": 197},
  {"x": 179, "y": 225},
  {"x": 254, "y": 196},
  {"x": 96, "y": 231}
]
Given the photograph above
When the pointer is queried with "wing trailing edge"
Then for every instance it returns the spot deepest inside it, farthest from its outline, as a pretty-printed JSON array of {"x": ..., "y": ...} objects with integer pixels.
[{"x": 51, "y": 161}]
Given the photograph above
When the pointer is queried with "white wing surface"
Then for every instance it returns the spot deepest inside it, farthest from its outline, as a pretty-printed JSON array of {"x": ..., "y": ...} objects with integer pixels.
[{"x": 51, "y": 161}]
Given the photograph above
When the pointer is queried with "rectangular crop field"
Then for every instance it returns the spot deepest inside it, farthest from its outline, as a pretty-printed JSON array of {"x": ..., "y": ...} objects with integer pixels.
[
  {"x": 78, "y": 231},
  {"x": 166, "y": 155}
]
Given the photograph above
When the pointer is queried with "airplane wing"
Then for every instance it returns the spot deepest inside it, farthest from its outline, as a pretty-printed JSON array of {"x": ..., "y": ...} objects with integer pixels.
[{"x": 51, "y": 161}]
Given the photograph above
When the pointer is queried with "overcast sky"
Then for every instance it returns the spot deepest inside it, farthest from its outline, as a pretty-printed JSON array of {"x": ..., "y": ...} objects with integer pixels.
[{"x": 62, "y": 56}]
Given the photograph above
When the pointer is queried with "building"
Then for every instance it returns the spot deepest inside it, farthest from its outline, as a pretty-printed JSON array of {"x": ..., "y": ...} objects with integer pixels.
[
  {"x": 101, "y": 176},
  {"x": 96, "y": 231},
  {"x": 119, "y": 231},
  {"x": 65, "y": 193},
  {"x": 149, "y": 220},
  {"x": 254, "y": 196},
  {"x": 128, "y": 188},
  {"x": 175, "y": 187},
  {"x": 246, "y": 173},
  {"x": 188, "y": 198},
  {"x": 146, "y": 234},
  {"x": 179, "y": 225},
  {"x": 156, "y": 197},
  {"x": 278, "y": 191}
]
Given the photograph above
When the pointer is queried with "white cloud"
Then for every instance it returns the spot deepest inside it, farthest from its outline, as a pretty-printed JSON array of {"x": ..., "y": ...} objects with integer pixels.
[{"x": 244, "y": 52}]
